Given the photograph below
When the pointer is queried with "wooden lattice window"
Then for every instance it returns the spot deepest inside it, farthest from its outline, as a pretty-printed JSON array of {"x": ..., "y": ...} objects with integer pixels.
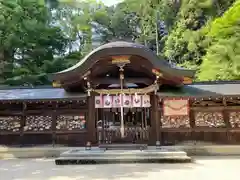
[
  {"x": 38, "y": 123},
  {"x": 10, "y": 123},
  {"x": 71, "y": 122},
  {"x": 209, "y": 119},
  {"x": 175, "y": 121},
  {"x": 234, "y": 119}
]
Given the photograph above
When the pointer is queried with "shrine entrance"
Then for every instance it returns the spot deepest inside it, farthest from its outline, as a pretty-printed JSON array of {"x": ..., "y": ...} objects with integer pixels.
[
  {"x": 136, "y": 125},
  {"x": 123, "y": 108},
  {"x": 119, "y": 79}
]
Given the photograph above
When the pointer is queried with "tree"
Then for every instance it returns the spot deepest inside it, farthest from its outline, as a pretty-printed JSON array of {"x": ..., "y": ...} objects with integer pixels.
[
  {"x": 27, "y": 41},
  {"x": 222, "y": 61},
  {"x": 38, "y": 37},
  {"x": 186, "y": 41}
]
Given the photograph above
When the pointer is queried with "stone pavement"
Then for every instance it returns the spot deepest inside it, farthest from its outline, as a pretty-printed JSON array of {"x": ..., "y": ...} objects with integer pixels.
[
  {"x": 40, "y": 152},
  {"x": 220, "y": 168}
]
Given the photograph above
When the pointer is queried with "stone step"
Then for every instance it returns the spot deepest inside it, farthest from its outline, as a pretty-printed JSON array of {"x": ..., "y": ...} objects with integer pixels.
[
  {"x": 96, "y": 156},
  {"x": 78, "y": 160},
  {"x": 123, "y": 153},
  {"x": 123, "y": 146}
]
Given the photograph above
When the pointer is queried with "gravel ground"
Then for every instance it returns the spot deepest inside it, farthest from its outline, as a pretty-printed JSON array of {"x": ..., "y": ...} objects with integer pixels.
[{"x": 220, "y": 168}]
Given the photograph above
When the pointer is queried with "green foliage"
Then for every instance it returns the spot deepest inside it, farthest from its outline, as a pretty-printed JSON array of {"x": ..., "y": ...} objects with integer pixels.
[
  {"x": 27, "y": 41},
  {"x": 222, "y": 61},
  {"x": 182, "y": 43},
  {"x": 38, "y": 37}
]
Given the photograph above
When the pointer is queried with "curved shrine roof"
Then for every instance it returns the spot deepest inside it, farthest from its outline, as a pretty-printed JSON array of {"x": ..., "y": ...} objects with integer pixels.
[{"x": 122, "y": 48}]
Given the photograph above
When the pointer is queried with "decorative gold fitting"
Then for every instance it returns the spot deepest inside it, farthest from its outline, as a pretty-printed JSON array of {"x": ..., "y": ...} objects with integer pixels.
[{"x": 121, "y": 76}]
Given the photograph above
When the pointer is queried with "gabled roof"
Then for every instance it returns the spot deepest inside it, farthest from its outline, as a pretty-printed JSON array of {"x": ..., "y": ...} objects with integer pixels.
[{"x": 122, "y": 48}]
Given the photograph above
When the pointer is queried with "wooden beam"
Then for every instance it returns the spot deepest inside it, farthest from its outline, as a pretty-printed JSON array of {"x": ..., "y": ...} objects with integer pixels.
[
  {"x": 164, "y": 130},
  {"x": 197, "y": 129},
  {"x": 10, "y": 113},
  {"x": 146, "y": 81},
  {"x": 216, "y": 108},
  {"x": 207, "y": 103}
]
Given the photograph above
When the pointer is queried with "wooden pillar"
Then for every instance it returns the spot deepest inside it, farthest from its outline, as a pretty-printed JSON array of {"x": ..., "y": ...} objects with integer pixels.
[
  {"x": 192, "y": 118},
  {"x": 155, "y": 121},
  {"x": 160, "y": 115},
  {"x": 23, "y": 123},
  {"x": 192, "y": 124},
  {"x": 54, "y": 123},
  {"x": 226, "y": 116},
  {"x": 91, "y": 124}
]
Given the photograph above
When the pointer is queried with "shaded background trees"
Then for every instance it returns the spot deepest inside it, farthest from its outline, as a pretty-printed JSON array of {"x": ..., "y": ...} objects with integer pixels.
[{"x": 38, "y": 37}]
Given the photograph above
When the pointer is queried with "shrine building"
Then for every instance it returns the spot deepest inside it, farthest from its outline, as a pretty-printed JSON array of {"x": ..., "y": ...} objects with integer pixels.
[{"x": 121, "y": 92}]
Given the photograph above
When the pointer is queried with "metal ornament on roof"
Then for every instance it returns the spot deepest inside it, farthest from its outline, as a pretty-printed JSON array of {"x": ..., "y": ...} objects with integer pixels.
[
  {"x": 157, "y": 73},
  {"x": 120, "y": 60},
  {"x": 89, "y": 88},
  {"x": 56, "y": 84}
]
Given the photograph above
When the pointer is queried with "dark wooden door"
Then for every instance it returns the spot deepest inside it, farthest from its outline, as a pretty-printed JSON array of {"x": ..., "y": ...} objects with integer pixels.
[{"x": 136, "y": 126}]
